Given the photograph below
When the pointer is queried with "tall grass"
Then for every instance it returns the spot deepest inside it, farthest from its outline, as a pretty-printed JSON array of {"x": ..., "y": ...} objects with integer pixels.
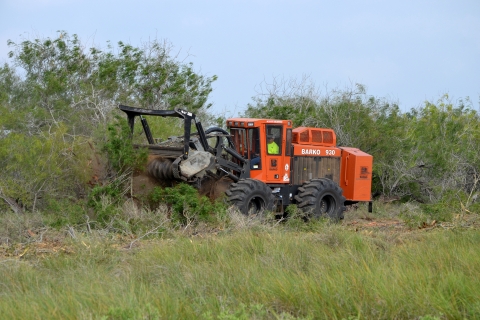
[{"x": 261, "y": 272}]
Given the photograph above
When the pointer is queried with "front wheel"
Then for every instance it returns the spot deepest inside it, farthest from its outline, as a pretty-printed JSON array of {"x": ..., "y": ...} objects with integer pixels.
[
  {"x": 252, "y": 197},
  {"x": 321, "y": 198}
]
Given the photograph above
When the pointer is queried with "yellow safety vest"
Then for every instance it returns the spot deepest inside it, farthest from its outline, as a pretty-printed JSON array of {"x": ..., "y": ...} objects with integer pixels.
[{"x": 273, "y": 148}]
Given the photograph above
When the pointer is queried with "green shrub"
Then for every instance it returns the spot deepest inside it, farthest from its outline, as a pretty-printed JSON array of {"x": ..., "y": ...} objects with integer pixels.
[
  {"x": 62, "y": 212},
  {"x": 412, "y": 215},
  {"x": 106, "y": 200},
  {"x": 121, "y": 154},
  {"x": 185, "y": 201},
  {"x": 445, "y": 208}
]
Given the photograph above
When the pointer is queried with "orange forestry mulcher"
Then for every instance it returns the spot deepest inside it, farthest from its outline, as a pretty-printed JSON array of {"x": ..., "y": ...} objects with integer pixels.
[{"x": 261, "y": 164}]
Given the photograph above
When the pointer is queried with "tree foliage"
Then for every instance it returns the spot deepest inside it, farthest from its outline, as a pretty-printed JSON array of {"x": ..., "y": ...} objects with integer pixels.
[
  {"x": 58, "y": 99},
  {"x": 67, "y": 82}
]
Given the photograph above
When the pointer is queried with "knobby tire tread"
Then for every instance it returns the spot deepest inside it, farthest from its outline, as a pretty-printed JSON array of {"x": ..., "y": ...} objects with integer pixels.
[
  {"x": 308, "y": 197},
  {"x": 243, "y": 191}
]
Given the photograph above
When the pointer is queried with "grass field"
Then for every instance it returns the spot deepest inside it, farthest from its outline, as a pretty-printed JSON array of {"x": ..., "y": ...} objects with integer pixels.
[{"x": 360, "y": 269}]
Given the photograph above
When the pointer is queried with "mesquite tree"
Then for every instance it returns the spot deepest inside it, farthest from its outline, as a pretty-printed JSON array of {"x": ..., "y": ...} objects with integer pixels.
[{"x": 57, "y": 97}]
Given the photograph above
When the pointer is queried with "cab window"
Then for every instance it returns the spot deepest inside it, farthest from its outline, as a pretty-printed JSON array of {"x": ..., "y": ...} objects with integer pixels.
[
  {"x": 274, "y": 140},
  {"x": 254, "y": 148}
]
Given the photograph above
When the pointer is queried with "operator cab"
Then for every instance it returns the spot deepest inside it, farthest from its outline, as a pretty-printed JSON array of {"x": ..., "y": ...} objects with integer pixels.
[{"x": 266, "y": 144}]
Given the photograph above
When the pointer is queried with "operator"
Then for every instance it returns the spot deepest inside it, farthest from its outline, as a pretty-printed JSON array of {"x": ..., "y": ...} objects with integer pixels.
[{"x": 272, "y": 146}]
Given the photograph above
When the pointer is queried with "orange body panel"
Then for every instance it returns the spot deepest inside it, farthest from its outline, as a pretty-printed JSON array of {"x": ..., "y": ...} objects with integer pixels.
[
  {"x": 314, "y": 136},
  {"x": 315, "y": 151},
  {"x": 356, "y": 174}
]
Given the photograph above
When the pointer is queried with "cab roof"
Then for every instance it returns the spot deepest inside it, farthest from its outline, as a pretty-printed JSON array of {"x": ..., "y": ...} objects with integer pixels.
[{"x": 254, "y": 122}]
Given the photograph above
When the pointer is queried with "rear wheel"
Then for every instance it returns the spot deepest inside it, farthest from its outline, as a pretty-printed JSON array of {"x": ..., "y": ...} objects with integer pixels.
[
  {"x": 252, "y": 197},
  {"x": 321, "y": 198}
]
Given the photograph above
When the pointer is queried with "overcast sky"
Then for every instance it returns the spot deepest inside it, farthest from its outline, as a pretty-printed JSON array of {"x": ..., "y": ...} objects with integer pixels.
[{"x": 408, "y": 51}]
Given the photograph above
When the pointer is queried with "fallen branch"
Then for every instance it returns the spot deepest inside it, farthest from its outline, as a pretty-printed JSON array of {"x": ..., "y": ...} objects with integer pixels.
[
  {"x": 146, "y": 234},
  {"x": 12, "y": 203}
]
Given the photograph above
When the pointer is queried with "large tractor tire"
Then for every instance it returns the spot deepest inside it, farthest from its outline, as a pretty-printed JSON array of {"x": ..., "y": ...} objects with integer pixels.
[
  {"x": 252, "y": 197},
  {"x": 319, "y": 198}
]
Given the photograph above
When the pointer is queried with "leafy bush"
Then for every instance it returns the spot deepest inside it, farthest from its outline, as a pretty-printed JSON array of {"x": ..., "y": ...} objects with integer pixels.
[
  {"x": 446, "y": 207},
  {"x": 186, "y": 204},
  {"x": 63, "y": 212},
  {"x": 38, "y": 168},
  {"x": 123, "y": 160},
  {"x": 106, "y": 200},
  {"x": 122, "y": 156}
]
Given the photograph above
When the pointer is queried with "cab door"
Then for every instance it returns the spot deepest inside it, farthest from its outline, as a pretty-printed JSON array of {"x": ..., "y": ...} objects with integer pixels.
[{"x": 276, "y": 167}]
